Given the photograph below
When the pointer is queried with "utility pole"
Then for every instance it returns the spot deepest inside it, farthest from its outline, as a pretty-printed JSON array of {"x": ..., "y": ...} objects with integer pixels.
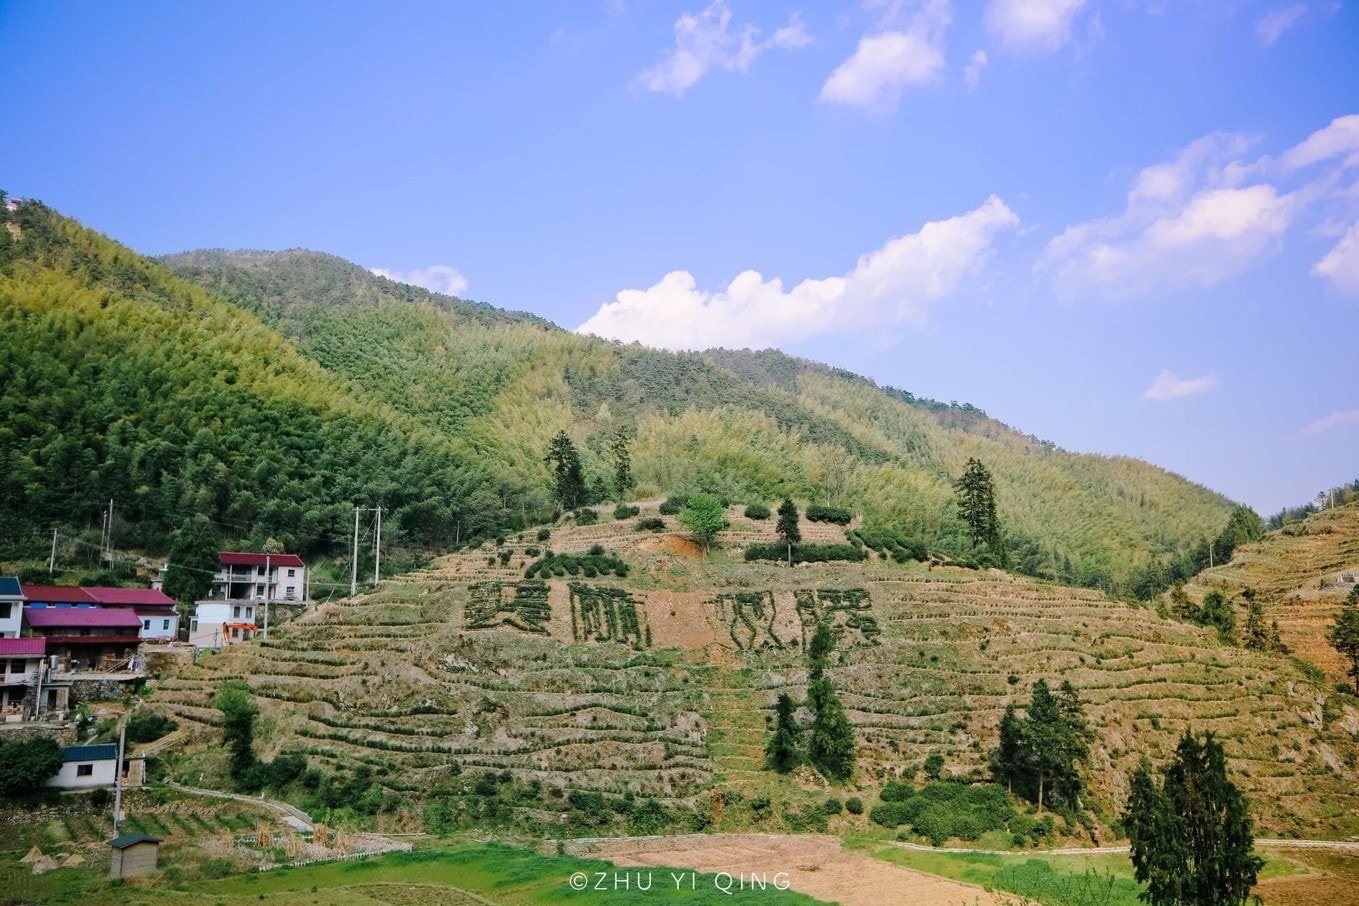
[
  {"x": 52, "y": 560},
  {"x": 108, "y": 548},
  {"x": 354, "y": 567},
  {"x": 118, "y": 779},
  {"x": 268, "y": 579},
  {"x": 377, "y": 556}
]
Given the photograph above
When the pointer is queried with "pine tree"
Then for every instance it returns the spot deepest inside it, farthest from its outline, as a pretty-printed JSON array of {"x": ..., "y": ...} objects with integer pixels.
[
  {"x": 787, "y": 526},
  {"x": 1255, "y": 635},
  {"x": 1192, "y": 835},
  {"x": 1344, "y": 635},
  {"x": 1008, "y": 761},
  {"x": 1043, "y": 750},
  {"x": 193, "y": 560},
  {"x": 783, "y": 753},
  {"x": 977, "y": 505},
  {"x": 564, "y": 461},
  {"x": 620, "y": 447},
  {"x": 831, "y": 748},
  {"x": 819, "y": 649}
]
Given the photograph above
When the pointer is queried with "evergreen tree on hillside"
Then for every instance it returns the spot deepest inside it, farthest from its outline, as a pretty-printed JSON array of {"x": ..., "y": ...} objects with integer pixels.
[
  {"x": 831, "y": 746},
  {"x": 564, "y": 462},
  {"x": 1191, "y": 834},
  {"x": 1042, "y": 752},
  {"x": 620, "y": 447},
  {"x": 1344, "y": 635},
  {"x": 193, "y": 560},
  {"x": 783, "y": 753},
  {"x": 976, "y": 496},
  {"x": 787, "y": 527}
]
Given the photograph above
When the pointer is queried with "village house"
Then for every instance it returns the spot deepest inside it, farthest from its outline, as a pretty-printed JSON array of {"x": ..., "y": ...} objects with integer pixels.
[
  {"x": 220, "y": 624},
  {"x": 11, "y": 607},
  {"x": 159, "y": 614},
  {"x": 86, "y": 637},
  {"x": 20, "y": 661},
  {"x": 86, "y": 767},
  {"x": 260, "y": 577}
]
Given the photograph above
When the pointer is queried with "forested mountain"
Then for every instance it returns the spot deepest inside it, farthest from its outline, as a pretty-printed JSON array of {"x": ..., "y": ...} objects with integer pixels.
[
  {"x": 751, "y": 425},
  {"x": 271, "y": 392}
]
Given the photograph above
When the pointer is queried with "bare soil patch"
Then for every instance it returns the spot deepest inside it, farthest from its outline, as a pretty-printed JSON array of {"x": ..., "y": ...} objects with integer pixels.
[
  {"x": 1309, "y": 890},
  {"x": 818, "y": 866},
  {"x": 672, "y": 544},
  {"x": 679, "y": 619}
]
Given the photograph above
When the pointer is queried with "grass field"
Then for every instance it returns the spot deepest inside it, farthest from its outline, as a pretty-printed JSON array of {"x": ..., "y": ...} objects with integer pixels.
[{"x": 455, "y": 875}]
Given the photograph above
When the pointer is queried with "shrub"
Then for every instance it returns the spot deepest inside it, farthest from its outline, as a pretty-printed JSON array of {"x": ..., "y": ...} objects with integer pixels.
[
  {"x": 833, "y": 514},
  {"x": 934, "y": 766},
  {"x": 531, "y": 552},
  {"x": 596, "y": 550},
  {"x": 586, "y": 516},
  {"x": 623, "y": 511},
  {"x": 673, "y": 504},
  {"x": 147, "y": 726},
  {"x": 854, "y": 805},
  {"x": 834, "y": 806},
  {"x": 651, "y": 524},
  {"x": 806, "y": 553},
  {"x": 941, "y": 811},
  {"x": 757, "y": 511},
  {"x": 544, "y": 534},
  {"x": 896, "y": 791}
]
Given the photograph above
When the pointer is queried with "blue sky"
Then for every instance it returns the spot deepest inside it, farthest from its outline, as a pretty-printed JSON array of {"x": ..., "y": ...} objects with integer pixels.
[{"x": 1128, "y": 227}]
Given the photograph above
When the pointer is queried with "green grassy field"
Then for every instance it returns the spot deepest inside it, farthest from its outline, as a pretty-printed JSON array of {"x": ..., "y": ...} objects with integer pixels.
[{"x": 456, "y": 875}]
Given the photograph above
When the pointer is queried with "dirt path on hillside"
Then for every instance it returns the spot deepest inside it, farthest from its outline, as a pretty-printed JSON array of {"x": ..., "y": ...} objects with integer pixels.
[{"x": 818, "y": 866}]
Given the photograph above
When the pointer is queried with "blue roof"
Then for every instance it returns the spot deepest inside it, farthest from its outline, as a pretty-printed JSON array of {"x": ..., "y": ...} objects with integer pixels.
[
  {"x": 106, "y": 752},
  {"x": 9, "y": 586}
]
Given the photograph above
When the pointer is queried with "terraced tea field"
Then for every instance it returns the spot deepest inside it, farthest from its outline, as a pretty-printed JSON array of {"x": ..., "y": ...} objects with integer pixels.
[
  {"x": 663, "y": 683},
  {"x": 1299, "y": 575}
]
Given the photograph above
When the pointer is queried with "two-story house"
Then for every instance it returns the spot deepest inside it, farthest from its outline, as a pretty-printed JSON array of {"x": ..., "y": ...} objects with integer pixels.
[
  {"x": 220, "y": 624},
  {"x": 20, "y": 660},
  {"x": 11, "y": 607},
  {"x": 86, "y": 637},
  {"x": 158, "y": 613},
  {"x": 260, "y": 577}
]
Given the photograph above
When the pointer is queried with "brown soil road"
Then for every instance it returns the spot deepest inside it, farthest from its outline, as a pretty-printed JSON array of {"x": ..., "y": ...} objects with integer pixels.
[{"x": 815, "y": 865}]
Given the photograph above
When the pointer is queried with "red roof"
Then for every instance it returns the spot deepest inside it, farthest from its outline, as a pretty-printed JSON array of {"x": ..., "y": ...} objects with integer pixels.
[
  {"x": 56, "y": 594},
  {"x": 21, "y": 647},
  {"x": 125, "y": 596},
  {"x": 79, "y": 617},
  {"x": 244, "y": 559}
]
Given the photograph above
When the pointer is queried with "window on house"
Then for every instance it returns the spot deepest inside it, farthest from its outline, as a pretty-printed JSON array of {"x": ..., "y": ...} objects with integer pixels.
[
  {"x": 165, "y": 625},
  {"x": 250, "y": 613},
  {"x": 84, "y": 770},
  {"x": 146, "y": 625},
  {"x": 193, "y": 625},
  {"x": 235, "y": 633},
  {"x": 260, "y": 571},
  {"x": 259, "y": 590},
  {"x": 4, "y": 610},
  {"x": 236, "y": 611},
  {"x": 17, "y": 666},
  {"x": 292, "y": 573}
]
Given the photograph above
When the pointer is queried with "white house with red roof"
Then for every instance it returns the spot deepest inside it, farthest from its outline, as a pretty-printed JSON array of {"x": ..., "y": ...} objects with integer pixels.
[
  {"x": 158, "y": 612},
  {"x": 245, "y": 576}
]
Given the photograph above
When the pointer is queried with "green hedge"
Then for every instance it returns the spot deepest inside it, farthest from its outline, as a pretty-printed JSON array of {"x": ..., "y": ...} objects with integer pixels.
[
  {"x": 575, "y": 564},
  {"x": 757, "y": 511},
  {"x": 651, "y": 524},
  {"x": 673, "y": 504},
  {"x": 943, "y": 811},
  {"x": 816, "y": 513},
  {"x": 891, "y": 542},
  {"x": 623, "y": 511},
  {"x": 806, "y": 553}
]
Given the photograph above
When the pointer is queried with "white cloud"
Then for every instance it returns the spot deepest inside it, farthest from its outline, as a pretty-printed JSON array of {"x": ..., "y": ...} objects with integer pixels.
[
  {"x": 1032, "y": 26},
  {"x": 972, "y": 72},
  {"x": 1331, "y": 422},
  {"x": 1273, "y": 24},
  {"x": 1341, "y": 264},
  {"x": 1190, "y": 221},
  {"x": 1339, "y": 139},
  {"x": 439, "y": 278},
  {"x": 893, "y": 285},
  {"x": 707, "y": 40},
  {"x": 1168, "y": 386},
  {"x": 884, "y": 63}
]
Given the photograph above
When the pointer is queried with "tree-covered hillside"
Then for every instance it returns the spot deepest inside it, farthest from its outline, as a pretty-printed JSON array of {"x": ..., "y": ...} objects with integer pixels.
[
  {"x": 119, "y": 380},
  {"x": 750, "y": 426},
  {"x": 272, "y": 392}
]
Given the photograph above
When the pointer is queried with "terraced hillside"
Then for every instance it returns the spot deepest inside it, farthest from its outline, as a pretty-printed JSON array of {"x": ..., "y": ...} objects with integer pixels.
[
  {"x": 1299, "y": 575},
  {"x": 663, "y": 683}
]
